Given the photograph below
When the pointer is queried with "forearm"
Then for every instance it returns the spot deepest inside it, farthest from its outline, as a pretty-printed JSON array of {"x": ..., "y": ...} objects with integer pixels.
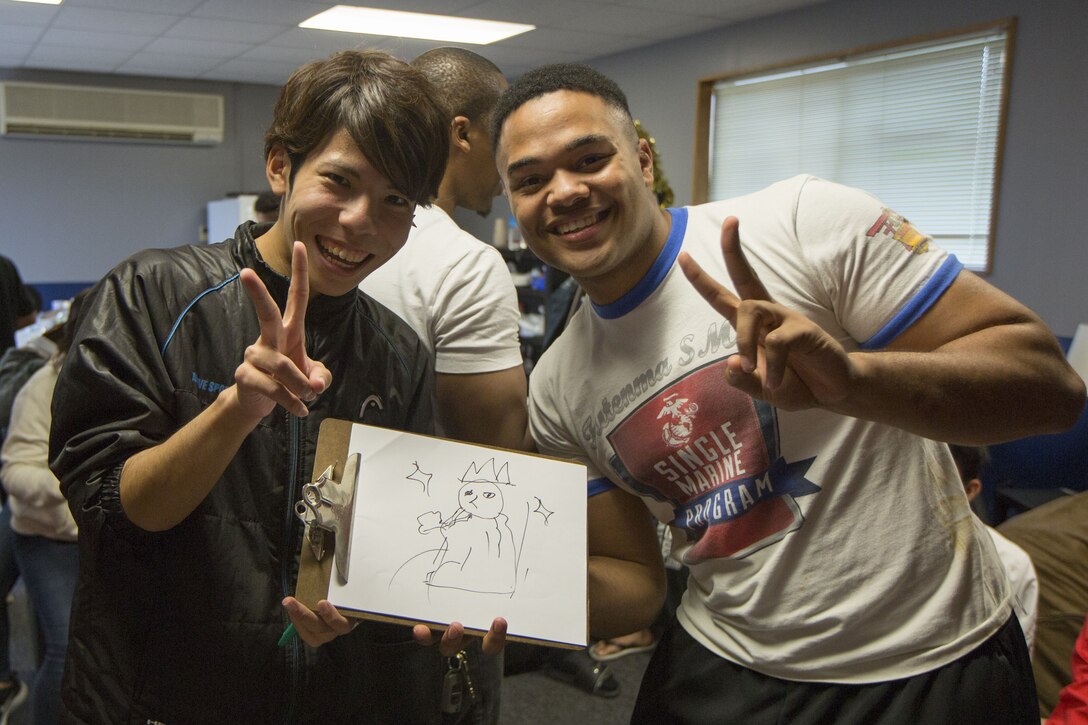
[
  {"x": 993, "y": 385},
  {"x": 624, "y": 596},
  {"x": 161, "y": 486},
  {"x": 484, "y": 408}
]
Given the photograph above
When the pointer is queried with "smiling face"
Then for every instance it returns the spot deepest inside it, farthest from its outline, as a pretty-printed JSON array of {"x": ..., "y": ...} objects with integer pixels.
[
  {"x": 349, "y": 216},
  {"x": 483, "y": 500},
  {"x": 579, "y": 182}
]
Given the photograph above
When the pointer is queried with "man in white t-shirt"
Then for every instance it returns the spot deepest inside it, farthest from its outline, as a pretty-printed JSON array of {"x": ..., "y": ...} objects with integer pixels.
[
  {"x": 786, "y": 430},
  {"x": 454, "y": 290},
  {"x": 457, "y": 294}
]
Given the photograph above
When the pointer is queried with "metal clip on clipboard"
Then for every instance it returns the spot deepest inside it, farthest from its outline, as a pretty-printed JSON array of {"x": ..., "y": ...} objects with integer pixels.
[{"x": 326, "y": 508}]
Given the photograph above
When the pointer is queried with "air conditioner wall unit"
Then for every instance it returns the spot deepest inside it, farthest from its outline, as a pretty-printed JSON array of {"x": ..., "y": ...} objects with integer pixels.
[{"x": 109, "y": 114}]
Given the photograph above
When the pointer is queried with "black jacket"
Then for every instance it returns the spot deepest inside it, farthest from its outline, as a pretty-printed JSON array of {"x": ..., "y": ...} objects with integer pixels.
[{"x": 181, "y": 627}]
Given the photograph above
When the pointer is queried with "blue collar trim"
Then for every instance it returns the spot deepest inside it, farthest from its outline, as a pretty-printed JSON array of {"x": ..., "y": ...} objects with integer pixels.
[{"x": 655, "y": 275}]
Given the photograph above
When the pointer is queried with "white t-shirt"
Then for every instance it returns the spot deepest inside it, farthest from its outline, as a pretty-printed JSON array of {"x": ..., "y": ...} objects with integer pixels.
[
  {"x": 455, "y": 292},
  {"x": 821, "y": 547},
  {"x": 1024, "y": 582}
]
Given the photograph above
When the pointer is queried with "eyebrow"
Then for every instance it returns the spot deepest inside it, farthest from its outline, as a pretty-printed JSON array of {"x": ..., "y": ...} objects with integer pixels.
[{"x": 570, "y": 146}]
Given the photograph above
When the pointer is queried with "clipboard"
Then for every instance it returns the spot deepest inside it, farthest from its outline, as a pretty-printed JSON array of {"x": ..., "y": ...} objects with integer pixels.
[{"x": 332, "y": 484}]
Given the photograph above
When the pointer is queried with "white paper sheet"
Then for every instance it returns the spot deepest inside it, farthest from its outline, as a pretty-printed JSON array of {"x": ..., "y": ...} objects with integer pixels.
[{"x": 448, "y": 531}]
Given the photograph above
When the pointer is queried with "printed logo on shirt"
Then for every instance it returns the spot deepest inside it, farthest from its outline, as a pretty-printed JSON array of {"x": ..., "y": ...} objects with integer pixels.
[
  {"x": 711, "y": 453},
  {"x": 208, "y": 385},
  {"x": 894, "y": 227}
]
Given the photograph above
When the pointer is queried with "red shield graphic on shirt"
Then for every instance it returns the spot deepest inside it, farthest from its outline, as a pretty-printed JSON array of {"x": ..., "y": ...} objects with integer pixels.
[{"x": 711, "y": 452}]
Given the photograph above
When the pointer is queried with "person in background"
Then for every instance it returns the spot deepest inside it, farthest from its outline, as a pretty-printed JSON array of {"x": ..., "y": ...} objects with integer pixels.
[
  {"x": 456, "y": 292},
  {"x": 771, "y": 375},
  {"x": 267, "y": 207},
  {"x": 17, "y": 364},
  {"x": 186, "y": 417},
  {"x": 45, "y": 533},
  {"x": 1025, "y": 585},
  {"x": 1055, "y": 536},
  {"x": 17, "y": 308}
]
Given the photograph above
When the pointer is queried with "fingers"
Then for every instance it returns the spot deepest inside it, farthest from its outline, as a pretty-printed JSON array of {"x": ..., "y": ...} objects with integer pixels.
[
  {"x": 454, "y": 639},
  {"x": 268, "y": 313},
  {"x": 298, "y": 295},
  {"x": 722, "y": 300},
  {"x": 745, "y": 281},
  {"x": 316, "y": 628},
  {"x": 495, "y": 639}
]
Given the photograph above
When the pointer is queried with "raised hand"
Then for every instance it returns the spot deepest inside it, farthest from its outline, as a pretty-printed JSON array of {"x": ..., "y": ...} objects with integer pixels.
[
  {"x": 277, "y": 369},
  {"x": 783, "y": 357}
]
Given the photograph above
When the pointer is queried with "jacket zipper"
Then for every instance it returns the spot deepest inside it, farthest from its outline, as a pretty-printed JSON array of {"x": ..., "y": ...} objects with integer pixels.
[{"x": 294, "y": 647}]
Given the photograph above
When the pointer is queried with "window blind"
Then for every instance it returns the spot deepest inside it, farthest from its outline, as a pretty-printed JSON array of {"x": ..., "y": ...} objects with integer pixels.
[{"x": 916, "y": 126}]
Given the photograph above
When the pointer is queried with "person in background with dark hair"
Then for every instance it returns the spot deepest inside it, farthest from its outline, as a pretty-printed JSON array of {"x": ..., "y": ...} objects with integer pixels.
[
  {"x": 185, "y": 422},
  {"x": 44, "y": 531},
  {"x": 771, "y": 375},
  {"x": 17, "y": 364},
  {"x": 456, "y": 292},
  {"x": 1025, "y": 585},
  {"x": 267, "y": 207},
  {"x": 17, "y": 306}
]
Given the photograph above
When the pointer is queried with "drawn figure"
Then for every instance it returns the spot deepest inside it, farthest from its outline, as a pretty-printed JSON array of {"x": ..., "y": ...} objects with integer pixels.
[
  {"x": 420, "y": 476},
  {"x": 478, "y": 553},
  {"x": 542, "y": 510},
  {"x": 681, "y": 420}
]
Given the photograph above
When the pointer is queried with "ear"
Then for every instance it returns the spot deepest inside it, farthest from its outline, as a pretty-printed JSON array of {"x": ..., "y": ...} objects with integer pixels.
[
  {"x": 277, "y": 167},
  {"x": 972, "y": 488},
  {"x": 646, "y": 161},
  {"x": 459, "y": 129}
]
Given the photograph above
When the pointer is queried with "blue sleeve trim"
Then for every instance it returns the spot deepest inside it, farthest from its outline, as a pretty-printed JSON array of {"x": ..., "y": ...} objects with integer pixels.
[
  {"x": 655, "y": 275},
  {"x": 599, "y": 485},
  {"x": 918, "y": 305},
  {"x": 181, "y": 317}
]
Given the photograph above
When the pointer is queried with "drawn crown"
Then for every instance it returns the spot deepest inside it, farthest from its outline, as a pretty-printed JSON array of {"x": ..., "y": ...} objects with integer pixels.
[{"x": 487, "y": 473}]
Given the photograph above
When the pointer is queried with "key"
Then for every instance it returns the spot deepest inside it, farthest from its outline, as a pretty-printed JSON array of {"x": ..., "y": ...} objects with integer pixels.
[
  {"x": 463, "y": 663},
  {"x": 452, "y": 691}
]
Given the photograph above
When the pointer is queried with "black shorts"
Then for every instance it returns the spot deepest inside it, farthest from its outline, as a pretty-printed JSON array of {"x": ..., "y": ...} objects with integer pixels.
[{"x": 687, "y": 683}]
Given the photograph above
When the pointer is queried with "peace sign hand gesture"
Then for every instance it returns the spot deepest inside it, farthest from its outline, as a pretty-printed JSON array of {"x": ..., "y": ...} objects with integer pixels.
[
  {"x": 783, "y": 357},
  {"x": 277, "y": 369}
]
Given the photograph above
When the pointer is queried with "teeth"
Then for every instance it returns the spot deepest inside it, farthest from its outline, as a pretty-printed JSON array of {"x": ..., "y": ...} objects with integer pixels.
[
  {"x": 574, "y": 226},
  {"x": 343, "y": 254}
]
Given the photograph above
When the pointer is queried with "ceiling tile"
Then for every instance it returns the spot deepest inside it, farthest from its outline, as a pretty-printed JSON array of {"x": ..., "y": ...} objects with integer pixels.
[
  {"x": 189, "y": 46},
  {"x": 94, "y": 39},
  {"x": 19, "y": 34},
  {"x": 26, "y": 13},
  {"x": 68, "y": 57},
  {"x": 113, "y": 20},
  {"x": 221, "y": 29},
  {"x": 167, "y": 7},
  {"x": 288, "y": 12},
  {"x": 149, "y": 63}
]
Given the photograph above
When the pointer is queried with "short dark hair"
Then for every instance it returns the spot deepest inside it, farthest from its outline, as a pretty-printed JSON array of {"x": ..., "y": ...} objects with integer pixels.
[
  {"x": 556, "y": 77},
  {"x": 266, "y": 203},
  {"x": 387, "y": 107},
  {"x": 469, "y": 84},
  {"x": 969, "y": 460}
]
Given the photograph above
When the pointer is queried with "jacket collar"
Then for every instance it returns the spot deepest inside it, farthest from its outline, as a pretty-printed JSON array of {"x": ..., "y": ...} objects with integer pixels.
[{"x": 320, "y": 309}]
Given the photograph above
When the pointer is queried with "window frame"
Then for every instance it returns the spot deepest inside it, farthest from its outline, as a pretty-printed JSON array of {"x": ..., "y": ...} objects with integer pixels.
[{"x": 705, "y": 92}]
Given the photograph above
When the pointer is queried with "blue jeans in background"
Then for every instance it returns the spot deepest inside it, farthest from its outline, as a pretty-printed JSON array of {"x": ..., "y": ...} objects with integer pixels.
[
  {"x": 49, "y": 569},
  {"x": 9, "y": 572}
]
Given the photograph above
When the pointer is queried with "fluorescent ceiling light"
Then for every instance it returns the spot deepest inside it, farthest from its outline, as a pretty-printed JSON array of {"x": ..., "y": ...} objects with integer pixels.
[
  {"x": 370, "y": 21},
  {"x": 41, "y": 2}
]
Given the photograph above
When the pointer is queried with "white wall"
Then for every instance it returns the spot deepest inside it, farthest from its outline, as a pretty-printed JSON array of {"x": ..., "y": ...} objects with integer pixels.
[{"x": 72, "y": 209}]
